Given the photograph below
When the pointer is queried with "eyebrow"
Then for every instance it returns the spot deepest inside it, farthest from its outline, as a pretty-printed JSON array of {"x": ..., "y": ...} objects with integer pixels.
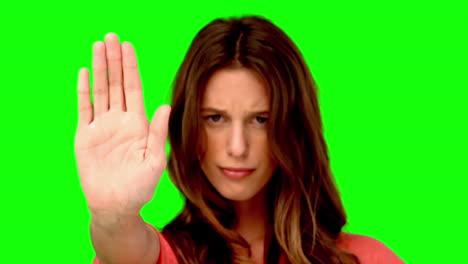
[{"x": 210, "y": 109}]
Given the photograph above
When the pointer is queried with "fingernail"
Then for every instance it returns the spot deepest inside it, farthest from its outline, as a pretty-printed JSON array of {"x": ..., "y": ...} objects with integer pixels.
[{"x": 111, "y": 35}]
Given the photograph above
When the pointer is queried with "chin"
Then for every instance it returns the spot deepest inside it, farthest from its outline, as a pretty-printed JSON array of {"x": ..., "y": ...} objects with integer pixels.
[
  {"x": 237, "y": 197},
  {"x": 238, "y": 193}
]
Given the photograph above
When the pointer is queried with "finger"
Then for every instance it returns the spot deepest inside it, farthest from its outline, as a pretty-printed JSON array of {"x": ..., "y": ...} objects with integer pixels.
[
  {"x": 132, "y": 81},
  {"x": 114, "y": 65},
  {"x": 158, "y": 132},
  {"x": 100, "y": 89},
  {"x": 85, "y": 108}
]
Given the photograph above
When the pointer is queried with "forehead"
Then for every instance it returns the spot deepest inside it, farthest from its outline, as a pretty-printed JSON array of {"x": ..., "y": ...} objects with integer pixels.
[{"x": 238, "y": 86}]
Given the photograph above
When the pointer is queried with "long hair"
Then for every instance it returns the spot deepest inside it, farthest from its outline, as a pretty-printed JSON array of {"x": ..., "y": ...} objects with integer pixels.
[{"x": 306, "y": 211}]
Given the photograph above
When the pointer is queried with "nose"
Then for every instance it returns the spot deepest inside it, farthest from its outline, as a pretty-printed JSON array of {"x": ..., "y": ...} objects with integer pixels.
[{"x": 237, "y": 142}]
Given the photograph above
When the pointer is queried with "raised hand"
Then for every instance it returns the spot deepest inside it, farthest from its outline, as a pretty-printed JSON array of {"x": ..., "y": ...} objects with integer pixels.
[{"x": 120, "y": 155}]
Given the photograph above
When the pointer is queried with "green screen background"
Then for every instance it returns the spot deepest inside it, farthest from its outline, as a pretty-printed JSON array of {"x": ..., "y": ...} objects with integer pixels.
[{"x": 393, "y": 94}]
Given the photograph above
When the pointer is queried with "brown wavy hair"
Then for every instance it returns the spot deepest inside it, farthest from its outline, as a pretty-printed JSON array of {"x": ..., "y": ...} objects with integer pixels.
[{"x": 306, "y": 211}]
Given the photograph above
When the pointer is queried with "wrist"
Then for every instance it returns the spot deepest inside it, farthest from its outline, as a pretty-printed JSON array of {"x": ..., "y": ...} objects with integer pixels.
[{"x": 115, "y": 220}]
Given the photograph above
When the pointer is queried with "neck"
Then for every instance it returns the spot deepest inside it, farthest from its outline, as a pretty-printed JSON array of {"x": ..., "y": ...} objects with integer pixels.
[{"x": 252, "y": 218}]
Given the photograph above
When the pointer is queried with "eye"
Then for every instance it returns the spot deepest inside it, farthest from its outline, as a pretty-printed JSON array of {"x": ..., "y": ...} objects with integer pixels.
[
  {"x": 261, "y": 120},
  {"x": 213, "y": 118}
]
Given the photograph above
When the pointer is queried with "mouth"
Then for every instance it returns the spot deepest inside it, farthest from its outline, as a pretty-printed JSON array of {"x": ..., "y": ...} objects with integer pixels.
[{"x": 235, "y": 173}]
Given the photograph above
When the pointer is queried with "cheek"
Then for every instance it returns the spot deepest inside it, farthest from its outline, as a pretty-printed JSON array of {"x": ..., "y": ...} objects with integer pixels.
[
  {"x": 266, "y": 154},
  {"x": 262, "y": 145},
  {"x": 213, "y": 145}
]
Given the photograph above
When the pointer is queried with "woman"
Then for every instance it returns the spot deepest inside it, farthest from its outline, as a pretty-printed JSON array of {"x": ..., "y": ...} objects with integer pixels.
[{"x": 247, "y": 152}]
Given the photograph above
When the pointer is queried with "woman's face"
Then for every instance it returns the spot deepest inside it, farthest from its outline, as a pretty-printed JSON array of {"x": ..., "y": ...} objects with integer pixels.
[{"x": 235, "y": 112}]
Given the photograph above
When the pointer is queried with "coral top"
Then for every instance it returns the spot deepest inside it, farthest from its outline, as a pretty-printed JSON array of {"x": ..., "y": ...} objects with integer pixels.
[{"x": 369, "y": 250}]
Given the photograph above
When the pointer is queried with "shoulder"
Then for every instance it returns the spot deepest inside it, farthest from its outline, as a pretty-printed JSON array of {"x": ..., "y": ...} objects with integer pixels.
[
  {"x": 369, "y": 250},
  {"x": 166, "y": 253}
]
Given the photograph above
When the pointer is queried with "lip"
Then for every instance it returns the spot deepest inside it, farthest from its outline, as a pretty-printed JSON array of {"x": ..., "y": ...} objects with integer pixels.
[{"x": 236, "y": 173}]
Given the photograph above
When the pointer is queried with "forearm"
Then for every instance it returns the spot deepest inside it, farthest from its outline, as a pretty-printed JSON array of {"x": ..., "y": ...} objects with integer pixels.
[{"x": 124, "y": 240}]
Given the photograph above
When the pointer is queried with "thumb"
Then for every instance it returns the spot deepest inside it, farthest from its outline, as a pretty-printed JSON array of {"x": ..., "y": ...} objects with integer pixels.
[{"x": 158, "y": 129}]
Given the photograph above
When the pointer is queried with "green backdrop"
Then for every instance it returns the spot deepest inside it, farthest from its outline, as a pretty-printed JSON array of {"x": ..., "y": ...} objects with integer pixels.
[{"x": 393, "y": 92}]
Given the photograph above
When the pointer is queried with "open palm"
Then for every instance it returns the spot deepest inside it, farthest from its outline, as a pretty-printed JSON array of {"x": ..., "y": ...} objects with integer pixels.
[{"x": 120, "y": 155}]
